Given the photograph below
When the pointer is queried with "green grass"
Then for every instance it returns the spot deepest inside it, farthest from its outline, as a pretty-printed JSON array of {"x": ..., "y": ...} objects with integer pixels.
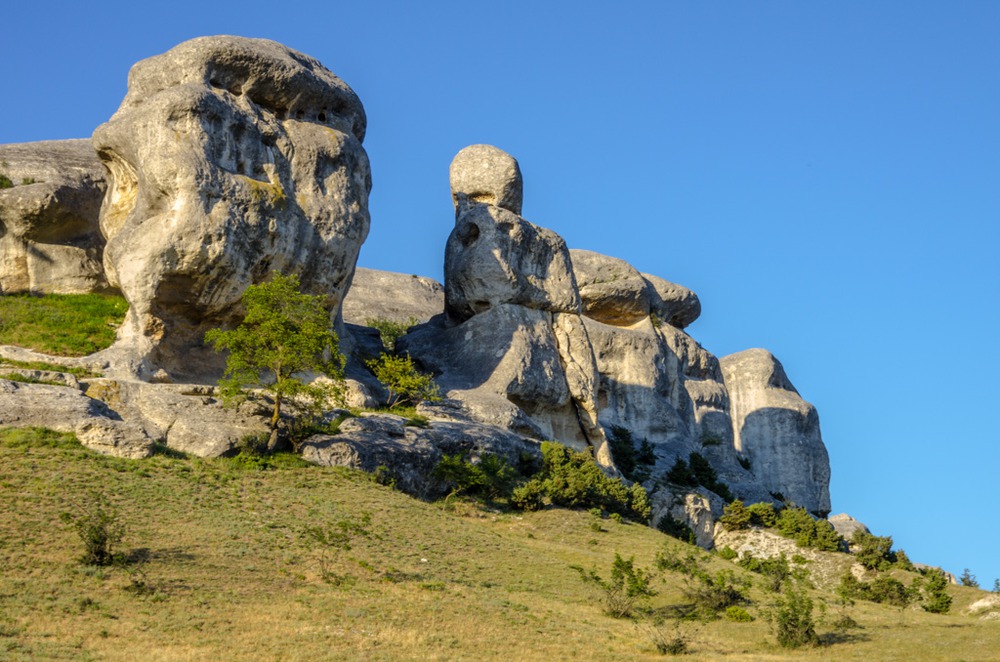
[
  {"x": 61, "y": 324},
  {"x": 52, "y": 367},
  {"x": 232, "y": 561}
]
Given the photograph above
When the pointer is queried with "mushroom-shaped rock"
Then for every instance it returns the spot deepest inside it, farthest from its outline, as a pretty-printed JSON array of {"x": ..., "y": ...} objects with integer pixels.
[
  {"x": 49, "y": 236},
  {"x": 611, "y": 290},
  {"x": 672, "y": 303},
  {"x": 777, "y": 430},
  {"x": 488, "y": 175},
  {"x": 230, "y": 158}
]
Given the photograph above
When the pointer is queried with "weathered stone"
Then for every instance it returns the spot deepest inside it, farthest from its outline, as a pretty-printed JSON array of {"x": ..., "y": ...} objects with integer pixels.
[
  {"x": 845, "y": 525},
  {"x": 386, "y": 295},
  {"x": 674, "y": 304},
  {"x": 229, "y": 159},
  {"x": 487, "y": 175},
  {"x": 693, "y": 509},
  {"x": 111, "y": 437},
  {"x": 494, "y": 256},
  {"x": 40, "y": 376},
  {"x": 59, "y": 408},
  {"x": 611, "y": 290},
  {"x": 409, "y": 454},
  {"x": 50, "y": 241},
  {"x": 777, "y": 430}
]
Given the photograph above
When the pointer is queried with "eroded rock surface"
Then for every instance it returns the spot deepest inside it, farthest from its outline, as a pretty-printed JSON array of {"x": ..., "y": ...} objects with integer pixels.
[
  {"x": 50, "y": 241},
  {"x": 777, "y": 430},
  {"x": 611, "y": 290},
  {"x": 387, "y": 295},
  {"x": 229, "y": 158}
]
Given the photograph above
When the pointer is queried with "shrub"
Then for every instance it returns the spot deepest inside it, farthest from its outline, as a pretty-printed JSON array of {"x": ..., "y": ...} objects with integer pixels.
[
  {"x": 390, "y": 330},
  {"x": 728, "y": 553},
  {"x": 738, "y": 614},
  {"x": 799, "y": 525},
  {"x": 100, "y": 529},
  {"x": 775, "y": 569},
  {"x": 627, "y": 587},
  {"x": 763, "y": 514},
  {"x": 744, "y": 462},
  {"x": 882, "y": 590},
  {"x": 903, "y": 561},
  {"x": 712, "y": 594},
  {"x": 735, "y": 516},
  {"x": 634, "y": 464},
  {"x": 492, "y": 477},
  {"x": 406, "y": 384},
  {"x": 680, "y": 474},
  {"x": 668, "y": 559},
  {"x": 331, "y": 539},
  {"x": 677, "y": 529},
  {"x": 936, "y": 598},
  {"x": 873, "y": 552},
  {"x": 792, "y": 619},
  {"x": 705, "y": 475},
  {"x": 528, "y": 497},
  {"x": 5, "y": 181},
  {"x": 968, "y": 579},
  {"x": 572, "y": 479},
  {"x": 996, "y": 585}
]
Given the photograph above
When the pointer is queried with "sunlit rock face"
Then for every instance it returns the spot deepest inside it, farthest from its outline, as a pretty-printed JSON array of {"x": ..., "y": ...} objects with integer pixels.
[
  {"x": 229, "y": 159},
  {"x": 777, "y": 430},
  {"x": 50, "y": 242}
]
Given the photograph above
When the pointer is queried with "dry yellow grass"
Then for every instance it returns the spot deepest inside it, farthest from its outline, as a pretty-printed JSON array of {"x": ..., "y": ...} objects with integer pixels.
[{"x": 227, "y": 571}]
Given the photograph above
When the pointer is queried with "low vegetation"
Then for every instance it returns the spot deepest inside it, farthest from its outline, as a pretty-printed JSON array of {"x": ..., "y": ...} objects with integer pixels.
[
  {"x": 61, "y": 324},
  {"x": 232, "y": 559}
]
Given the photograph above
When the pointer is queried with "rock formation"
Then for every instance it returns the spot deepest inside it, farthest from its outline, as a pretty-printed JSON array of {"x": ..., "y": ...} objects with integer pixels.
[
  {"x": 229, "y": 158},
  {"x": 777, "y": 430},
  {"x": 50, "y": 241},
  {"x": 391, "y": 296},
  {"x": 512, "y": 345}
]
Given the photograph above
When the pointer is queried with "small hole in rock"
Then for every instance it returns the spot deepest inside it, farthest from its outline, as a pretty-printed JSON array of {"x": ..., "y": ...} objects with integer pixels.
[{"x": 321, "y": 117}]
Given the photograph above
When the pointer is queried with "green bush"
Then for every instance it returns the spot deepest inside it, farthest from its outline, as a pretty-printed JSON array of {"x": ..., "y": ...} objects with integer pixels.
[
  {"x": 633, "y": 463},
  {"x": 968, "y": 579},
  {"x": 677, "y": 529},
  {"x": 697, "y": 471},
  {"x": 100, "y": 529},
  {"x": 390, "y": 330},
  {"x": 774, "y": 569},
  {"x": 528, "y": 497},
  {"x": 936, "y": 598},
  {"x": 735, "y": 516},
  {"x": 406, "y": 384},
  {"x": 882, "y": 590},
  {"x": 738, "y": 614},
  {"x": 492, "y": 477},
  {"x": 628, "y": 586},
  {"x": 572, "y": 479},
  {"x": 728, "y": 553},
  {"x": 763, "y": 514},
  {"x": 792, "y": 619},
  {"x": 903, "y": 561},
  {"x": 712, "y": 594},
  {"x": 5, "y": 181},
  {"x": 873, "y": 552},
  {"x": 799, "y": 525}
]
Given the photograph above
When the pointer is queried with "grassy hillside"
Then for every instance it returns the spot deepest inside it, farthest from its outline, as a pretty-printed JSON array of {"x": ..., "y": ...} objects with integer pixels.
[
  {"x": 228, "y": 561},
  {"x": 61, "y": 324}
]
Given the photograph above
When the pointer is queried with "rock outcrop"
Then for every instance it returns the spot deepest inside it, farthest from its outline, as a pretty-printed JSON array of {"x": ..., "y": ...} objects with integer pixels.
[
  {"x": 229, "y": 159},
  {"x": 386, "y": 295},
  {"x": 50, "y": 241},
  {"x": 512, "y": 346},
  {"x": 777, "y": 430}
]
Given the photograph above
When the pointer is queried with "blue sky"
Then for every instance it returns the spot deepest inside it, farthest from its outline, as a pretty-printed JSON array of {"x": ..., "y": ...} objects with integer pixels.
[{"x": 823, "y": 174}]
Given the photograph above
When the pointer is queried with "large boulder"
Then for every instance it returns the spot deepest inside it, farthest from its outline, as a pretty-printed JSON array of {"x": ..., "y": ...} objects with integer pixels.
[
  {"x": 386, "y": 295},
  {"x": 50, "y": 241},
  {"x": 611, "y": 290},
  {"x": 229, "y": 159},
  {"x": 672, "y": 303},
  {"x": 776, "y": 430}
]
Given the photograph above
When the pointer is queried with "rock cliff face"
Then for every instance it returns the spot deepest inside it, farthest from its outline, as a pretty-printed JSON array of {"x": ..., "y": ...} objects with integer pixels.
[
  {"x": 50, "y": 241},
  {"x": 229, "y": 158}
]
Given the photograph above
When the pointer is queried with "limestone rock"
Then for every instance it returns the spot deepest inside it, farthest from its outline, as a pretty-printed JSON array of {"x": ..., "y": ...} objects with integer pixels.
[
  {"x": 488, "y": 175},
  {"x": 690, "y": 508},
  {"x": 674, "y": 304},
  {"x": 611, "y": 290},
  {"x": 391, "y": 296},
  {"x": 494, "y": 256},
  {"x": 845, "y": 525},
  {"x": 111, "y": 437},
  {"x": 777, "y": 430},
  {"x": 50, "y": 241},
  {"x": 229, "y": 158},
  {"x": 409, "y": 454},
  {"x": 59, "y": 408}
]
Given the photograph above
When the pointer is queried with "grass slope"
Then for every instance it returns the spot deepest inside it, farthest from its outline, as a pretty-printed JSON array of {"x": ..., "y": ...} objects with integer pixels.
[
  {"x": 226, "y": 565},
  {"x": 61, "y": 324}
]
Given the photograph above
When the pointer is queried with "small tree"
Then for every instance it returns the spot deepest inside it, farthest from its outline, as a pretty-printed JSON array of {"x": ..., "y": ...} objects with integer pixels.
[
  {"x": 285, "y": 333},
  {"x": 873, "y": 552},
  {"x": 968, "y": 579},
  {"x": 627, "y": 587},
  {"x": 405, "y": 383},
  {"x": 936, "y": 598}
]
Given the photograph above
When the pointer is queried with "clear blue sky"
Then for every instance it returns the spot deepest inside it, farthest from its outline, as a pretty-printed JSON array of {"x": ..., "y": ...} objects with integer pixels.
[{"x": 826, "y": 175}]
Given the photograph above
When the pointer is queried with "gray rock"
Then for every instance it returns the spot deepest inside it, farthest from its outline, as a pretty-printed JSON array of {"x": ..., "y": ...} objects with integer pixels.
[
  {"x": 229, "y": 159},
  {"x": 50, "y": 241},
  {"x": 611, "y": 290},
  {"x": 488, "y": 175},
  {"x": 391, "y": 296},
  {"x": 777, "y": 430},
  {"x": 112, "y": 437},
  {"x": 845, "y": 525},
  {"x": 59, "y": 408},
  {"x": 494, "y": 256},
  {"x": 674, "y": 304},
  {"x": 695, "y": 509},
  {"x": 409, "y": 454}
]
